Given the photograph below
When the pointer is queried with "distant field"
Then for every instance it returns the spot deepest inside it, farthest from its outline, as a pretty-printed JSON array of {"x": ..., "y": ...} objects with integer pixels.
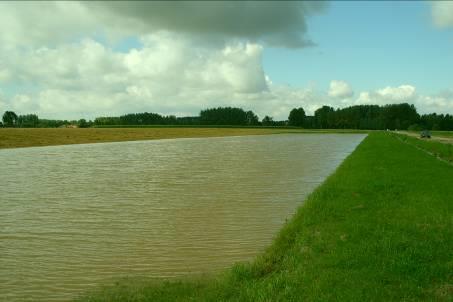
[
  {"x": 442, "y": 133},
  {"x": 440, "y": 138},
  {"x": 30, "y": 137},
  {"x": 27, "y": 137},
  {"x": 194, "y": 126},
  {"x": 448, "y": 134}
]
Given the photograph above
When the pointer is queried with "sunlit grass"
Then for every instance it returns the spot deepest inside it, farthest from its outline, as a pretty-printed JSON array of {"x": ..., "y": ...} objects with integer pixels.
[
  {"x": 443, "y": 150},
  {"x": 379, "y": 229}
]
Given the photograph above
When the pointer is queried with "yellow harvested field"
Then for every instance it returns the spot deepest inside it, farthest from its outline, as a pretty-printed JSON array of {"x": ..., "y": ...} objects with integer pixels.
[{"x": 30, "y": 137}]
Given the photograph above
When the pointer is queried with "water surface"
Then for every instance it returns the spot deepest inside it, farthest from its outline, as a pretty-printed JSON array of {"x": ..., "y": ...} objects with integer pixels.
[{"x": 73, "y": 217}]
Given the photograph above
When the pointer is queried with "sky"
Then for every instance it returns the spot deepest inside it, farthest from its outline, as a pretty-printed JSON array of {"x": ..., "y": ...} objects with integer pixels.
[{"x": 72, "y": 60}]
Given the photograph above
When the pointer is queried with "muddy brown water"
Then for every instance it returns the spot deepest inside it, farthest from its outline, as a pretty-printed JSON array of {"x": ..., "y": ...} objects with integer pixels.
[{"x": 74, "y": 217}]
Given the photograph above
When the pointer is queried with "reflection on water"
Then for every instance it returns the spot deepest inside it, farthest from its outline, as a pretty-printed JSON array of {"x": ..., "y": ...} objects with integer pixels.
[{"x": 72, "y": 217}]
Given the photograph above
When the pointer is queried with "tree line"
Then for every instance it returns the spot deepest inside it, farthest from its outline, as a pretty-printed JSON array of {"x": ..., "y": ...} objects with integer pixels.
[
  {"x": 368, "y": 117},
  {"x": 145, "y": 118},
  {"x": 373, "y": 117},
  {"x": 11, "y": 119}
]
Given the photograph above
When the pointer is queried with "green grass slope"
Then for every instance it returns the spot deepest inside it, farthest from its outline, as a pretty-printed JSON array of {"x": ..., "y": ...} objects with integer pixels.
[
  {"x": 439, "y": 149},
  {"x": 379, "y": 229}
]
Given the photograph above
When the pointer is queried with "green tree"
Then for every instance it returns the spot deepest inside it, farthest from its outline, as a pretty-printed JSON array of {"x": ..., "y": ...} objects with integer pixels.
[
  {"x": 296, "y": 117},
  {"x": 9, "y": 119},
  {"x": 252, "y": 118},
  {"x": 267, "y": 121},
  {"x": 227, "y": 116},
  {"x": 28, "y": 120},
  {"x": 82, "y": 123},
  {"x": 44, "y": 123},
  {"x": 324, "y": 117}
]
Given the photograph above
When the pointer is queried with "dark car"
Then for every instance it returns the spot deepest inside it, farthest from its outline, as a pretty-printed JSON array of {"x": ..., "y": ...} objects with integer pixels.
[{"x": 425, "y": 134}]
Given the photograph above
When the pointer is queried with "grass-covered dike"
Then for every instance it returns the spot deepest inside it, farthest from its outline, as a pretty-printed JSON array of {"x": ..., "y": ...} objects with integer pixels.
[
  {"x": 438, "y": 149},
  {"x": 379, "y": 229}
]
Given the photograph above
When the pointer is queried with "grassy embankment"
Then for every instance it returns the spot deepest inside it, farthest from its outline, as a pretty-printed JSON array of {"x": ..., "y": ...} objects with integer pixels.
[
  {"x": 436, "y": 148},
  {"x": 30, "y": 137},
  {"x": 379, "y": 229}
]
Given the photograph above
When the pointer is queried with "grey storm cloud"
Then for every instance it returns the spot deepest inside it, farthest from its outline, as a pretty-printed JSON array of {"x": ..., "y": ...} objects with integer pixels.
[{"x": 277, "y": 23}]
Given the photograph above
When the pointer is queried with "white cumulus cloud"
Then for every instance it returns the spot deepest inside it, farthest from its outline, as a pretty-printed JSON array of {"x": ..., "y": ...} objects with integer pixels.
[
  {"x": 388, "y": 95},
  {"x": 58, "y": 59},
  {"x": 403, "y": 93},
  {"x": 439, "y": 103},
  {"x": 169, "y": 74},
  {"x": 41, "y": 23},
  {"x": 279, "y": 23},
  {"x": 340, "y": 89}
]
